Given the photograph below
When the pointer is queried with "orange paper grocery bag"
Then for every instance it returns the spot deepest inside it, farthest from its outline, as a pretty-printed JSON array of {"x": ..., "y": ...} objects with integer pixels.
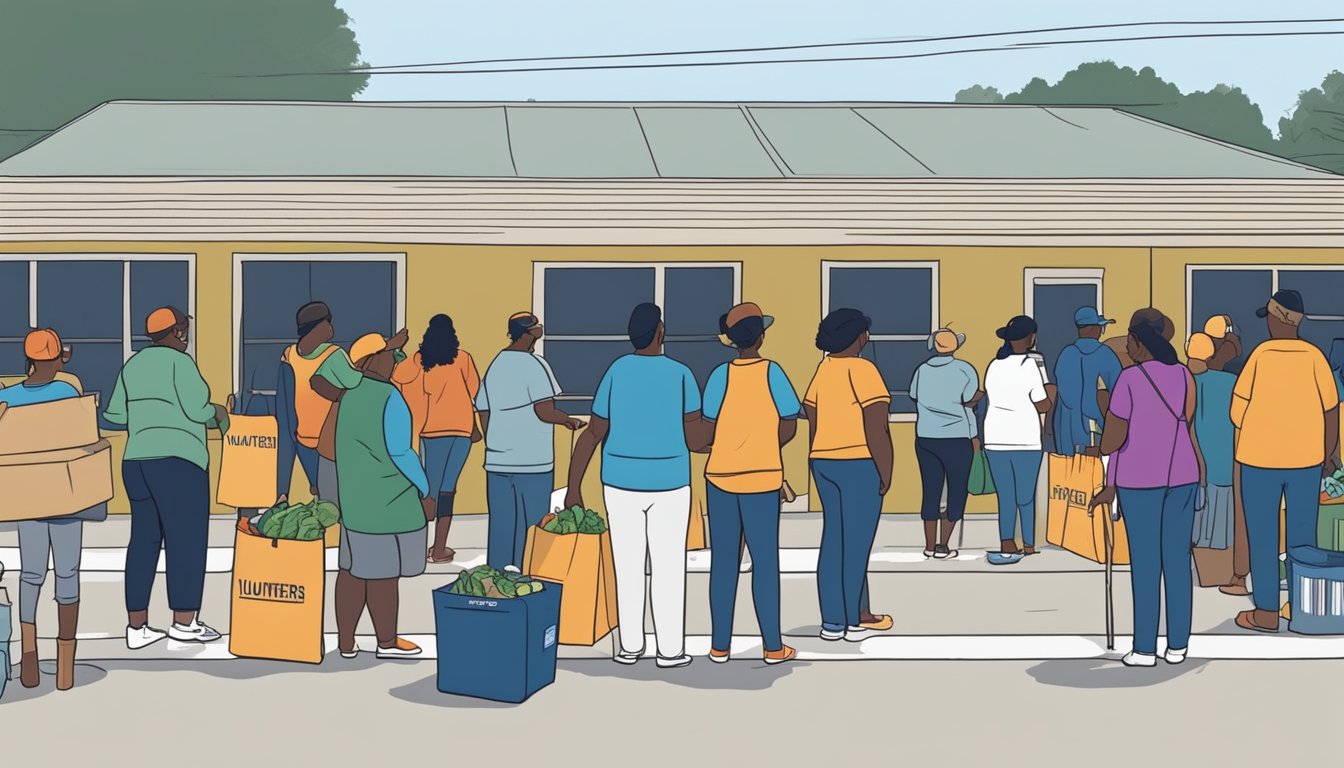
[
  {"x": 247, "y": 467},
  {"x": 584, "y": 565},
  {"x": 278, "y": 590}
]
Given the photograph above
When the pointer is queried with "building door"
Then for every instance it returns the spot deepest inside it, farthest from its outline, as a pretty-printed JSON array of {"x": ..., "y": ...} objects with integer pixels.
[
  {"x": 1051, "y": 298},
  {"x": 364, "y": 293}
]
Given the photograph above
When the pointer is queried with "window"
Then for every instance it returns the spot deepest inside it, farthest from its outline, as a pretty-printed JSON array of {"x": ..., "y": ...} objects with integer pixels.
[
  {"x": 902, "y": 300},
  {"x": 586, "y": 311},
  {"x": 97, "y": 303},
  {"x": 365, "y": 293},
  {"x": 1240, "y": 291}
]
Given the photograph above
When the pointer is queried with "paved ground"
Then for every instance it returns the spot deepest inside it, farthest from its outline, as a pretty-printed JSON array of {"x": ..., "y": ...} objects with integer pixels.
[{"x": 1058, "y": 713}]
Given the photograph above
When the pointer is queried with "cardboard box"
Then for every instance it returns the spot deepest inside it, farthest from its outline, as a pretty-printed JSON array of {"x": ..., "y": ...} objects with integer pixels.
[
  {"x": 54, "y": 426},
  {"x": 55, "y": 483}
]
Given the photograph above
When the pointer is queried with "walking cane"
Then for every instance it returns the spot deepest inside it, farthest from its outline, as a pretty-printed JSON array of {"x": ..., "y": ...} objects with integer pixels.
[{"x": 1109, "y": 543}]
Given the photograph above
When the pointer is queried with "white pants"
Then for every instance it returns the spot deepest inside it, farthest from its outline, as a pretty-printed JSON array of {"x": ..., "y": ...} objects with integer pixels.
[{"x": 652, "y": 525}]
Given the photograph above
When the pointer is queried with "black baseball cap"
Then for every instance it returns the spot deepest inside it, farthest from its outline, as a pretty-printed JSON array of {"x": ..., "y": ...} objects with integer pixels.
[{"x": 1288, "y": 299}]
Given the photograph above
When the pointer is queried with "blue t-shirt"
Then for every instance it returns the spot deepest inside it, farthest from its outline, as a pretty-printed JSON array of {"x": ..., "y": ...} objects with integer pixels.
[
  {"x": 781, "y": 391},
  {"x": 941, "y": 388},
  {"x": 1213, "y": 424},
  {"x": 646, "y": 399},
  {"x": 1078, "y": 370},
  {"x": 22, "y": 394}
]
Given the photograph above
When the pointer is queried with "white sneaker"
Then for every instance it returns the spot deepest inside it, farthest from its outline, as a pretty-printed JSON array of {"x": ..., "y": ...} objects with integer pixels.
[
  {"x": 675, "y": 662},
  {"x": 143, "y": 637},
  {"x": 195, "y": 632},
  {"x": 1136, "y": 659},
  {"x": 351, "y": 654},
  {"x": 1175, "y": 656},
  {"x": 626, "y": 658},
  {"x": 832, "y": 635},
  {"x": 856, "y": 634}
]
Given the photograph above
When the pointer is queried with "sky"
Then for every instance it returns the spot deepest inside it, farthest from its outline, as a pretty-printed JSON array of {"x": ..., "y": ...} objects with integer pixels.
[{"x": 1272, "y": 71}]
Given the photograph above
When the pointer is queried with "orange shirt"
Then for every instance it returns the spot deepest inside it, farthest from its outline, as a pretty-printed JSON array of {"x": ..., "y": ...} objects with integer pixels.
[
  {"x": 310, "y": 407},
  {"x": 841, "y": 389},
  {"x": 442, "y": 399}
]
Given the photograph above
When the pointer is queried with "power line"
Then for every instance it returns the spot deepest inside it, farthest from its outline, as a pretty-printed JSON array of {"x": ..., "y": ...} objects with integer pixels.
[{"x": 828, "y": 60}]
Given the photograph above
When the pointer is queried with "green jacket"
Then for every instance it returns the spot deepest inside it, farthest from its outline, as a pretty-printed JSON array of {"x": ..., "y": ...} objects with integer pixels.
[
  {"x": 165, "y": 406},
  {"x": 379, "y": 480}
]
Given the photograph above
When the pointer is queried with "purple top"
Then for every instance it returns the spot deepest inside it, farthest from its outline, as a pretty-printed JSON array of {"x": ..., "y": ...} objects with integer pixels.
[{"x": 1158, "y": 452}]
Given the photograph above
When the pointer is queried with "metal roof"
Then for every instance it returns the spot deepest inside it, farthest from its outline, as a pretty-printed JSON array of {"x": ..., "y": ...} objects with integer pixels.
[{"x": 632, "y": 141}]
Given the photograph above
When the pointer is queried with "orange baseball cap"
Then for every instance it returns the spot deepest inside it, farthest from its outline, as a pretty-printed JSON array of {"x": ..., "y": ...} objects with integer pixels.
[
  {"x": 42, "y": 345},
  {"x": 366, "y": 346},
  {"x": 163, "y": 319}
]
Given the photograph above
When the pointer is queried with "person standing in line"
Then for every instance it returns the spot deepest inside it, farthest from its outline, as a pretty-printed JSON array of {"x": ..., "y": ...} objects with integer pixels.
[
  {"x": 944, "y": 389},
  {"x": 1155, "y": 470},
  {"x": 386, "y": 502},
  {"x": 1084, "y": 373},
  {"x": 1017, "y": 396},
  {"x": 752, "y": 412},
  {"x": 518, "y": 414},
  {"x": 164, "y": 404},
  {"x": 847, "y": 406},
  {"x": 440, "y": 384},
  {"x": 60, "y": 538},
  {"x": 1286, "y": 409},
  {"x": 646, "y": 417},
  {"x": 299, "y": 410},
  {"x": 1209, "y": 356}
]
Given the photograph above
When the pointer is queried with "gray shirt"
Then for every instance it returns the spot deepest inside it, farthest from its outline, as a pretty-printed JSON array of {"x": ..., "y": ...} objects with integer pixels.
[
  {"x": 940, "y": 388},
  {"x": 516, "y": 441}
]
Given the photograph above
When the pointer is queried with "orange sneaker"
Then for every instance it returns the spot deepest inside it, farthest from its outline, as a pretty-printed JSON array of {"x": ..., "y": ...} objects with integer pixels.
[
  {"x": 717, "y": 656},
  {"x": 782, "y": 655},
  {"x": 880, "y": 623},
  {"x": 402, "y": 649}
]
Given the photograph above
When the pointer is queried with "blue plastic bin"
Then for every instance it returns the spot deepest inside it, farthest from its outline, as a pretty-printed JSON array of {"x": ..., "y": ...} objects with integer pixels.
[
  {"x": 1316, "y": 591},
  {"x": 502, "y": 650}
]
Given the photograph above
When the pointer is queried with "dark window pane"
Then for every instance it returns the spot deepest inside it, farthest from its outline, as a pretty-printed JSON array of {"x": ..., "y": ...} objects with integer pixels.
[
  {"x": 702, "y": 357},
  {"x": 594, "y": 302},
  {"x": 897, "y": 361},
  {"x": 695, "y": 298},
  {"x": 14, "y": 323},
  {"x": 156, "y": 284},
  {"x": 80, "y": 299},
  {"x": 97, "y": 366},
  {"x": 1053, "y": 308},
  {"x": 575, "y": 407},
  {"x": 1237, "y": 293},
  {"x": 579, "y": 365},
  {"x": 12, "y": 361},
  {"x": 898, "y": 299},
  {"x": 362, "y": 297},
  {"x": 1323, "y": 333},
  {"x": 1323, "y": 294},
  {"x": 272, "y": 292}
]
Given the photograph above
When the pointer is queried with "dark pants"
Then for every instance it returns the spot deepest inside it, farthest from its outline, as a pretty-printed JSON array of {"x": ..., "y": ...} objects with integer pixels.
[
  {"x": 731, "y": 517},
  {"x": 516, "y": 502},
  {"x": 170, "y": 509},
  {"x": 944, "y": 459},
  {"x": 850, "y": 508},
  {"x": 1262, "y": 490},
  {"x": 1160, "y": 524}
]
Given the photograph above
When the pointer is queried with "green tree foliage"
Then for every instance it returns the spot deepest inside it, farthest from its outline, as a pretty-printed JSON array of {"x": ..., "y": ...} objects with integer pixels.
[
  {"x": 61, "y": 58},
  {"x": 1315, "y": 133},
  {"x": 979, "y": 94}
]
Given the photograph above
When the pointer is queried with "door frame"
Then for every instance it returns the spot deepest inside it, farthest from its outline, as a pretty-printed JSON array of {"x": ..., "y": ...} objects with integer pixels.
[
  {"x": 1034, "y": 276},
  {"x": 399, "y": 268}
]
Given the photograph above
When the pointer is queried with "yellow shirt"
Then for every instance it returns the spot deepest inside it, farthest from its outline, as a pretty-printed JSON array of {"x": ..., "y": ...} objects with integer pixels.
[
  {"x": 1279, "y": 405},
  {"x": 312, "y": 409},
  {"x": 840, "y": 390},
  {"x": 747, "y": 400}
]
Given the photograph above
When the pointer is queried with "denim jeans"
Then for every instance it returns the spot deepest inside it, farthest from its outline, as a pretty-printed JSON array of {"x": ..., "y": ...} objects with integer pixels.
[
  {"x": 443, "y": 459},
  {"x": 1160, "y": 524},
  {"x": 516, "y": 502},
  {"x": 170, "y": 509},
  {"x": 63, "y": 540},
  {"x": 731, "y": 516},
  {"x": 850, "y": 508},
  {"x": 1015, "y": 475},
  {"x": 1261, "y": 492}
]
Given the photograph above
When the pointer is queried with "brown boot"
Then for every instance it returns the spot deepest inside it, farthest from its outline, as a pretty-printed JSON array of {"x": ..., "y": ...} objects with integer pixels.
[
  {"x": 1236, "y": 588},
  {"x": 1259, "y": 621},
  {"x": 29, "y": 674},
  {"x": 68, "y": 616}
]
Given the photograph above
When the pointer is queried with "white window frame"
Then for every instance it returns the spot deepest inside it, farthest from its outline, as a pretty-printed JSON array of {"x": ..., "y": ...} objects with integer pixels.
[
  {"x": 398, "y": 260},
  {"x": 934, "y": 323},
  {"x": 1272, "y": 269},
  {"x": 126, "y": 259},
  {"x": 1034, "y": 276},
  {"x": 659, "y": 268}
]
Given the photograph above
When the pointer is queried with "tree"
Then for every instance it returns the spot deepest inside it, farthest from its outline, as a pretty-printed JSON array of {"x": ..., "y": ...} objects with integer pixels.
[
  {"x": 1315, "y": 133},
  {"x": 979, "y": 94},
  {"x": 60, "y": 59}
]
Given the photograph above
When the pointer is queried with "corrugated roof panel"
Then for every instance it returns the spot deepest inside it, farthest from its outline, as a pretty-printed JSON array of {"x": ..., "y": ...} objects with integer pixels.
[
  {"x": 578, "y": 142},
  {"x": 705, "y": 143},
  {"x": 985, "y": 142},
  {"x": 832, "y": 141},
  {"x": 273, "y": 139}
]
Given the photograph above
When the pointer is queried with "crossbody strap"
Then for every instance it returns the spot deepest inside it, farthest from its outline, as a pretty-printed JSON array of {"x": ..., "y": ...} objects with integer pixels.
[{"x": 1185, "y": 385}]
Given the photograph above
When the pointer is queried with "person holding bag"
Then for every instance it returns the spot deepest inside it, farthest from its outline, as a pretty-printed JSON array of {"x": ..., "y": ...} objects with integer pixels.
[{"x": 1155, "y": 470}]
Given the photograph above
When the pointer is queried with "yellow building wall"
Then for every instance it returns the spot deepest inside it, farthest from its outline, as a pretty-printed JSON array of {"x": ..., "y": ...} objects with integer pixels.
[{"x": 480, "y": 286}]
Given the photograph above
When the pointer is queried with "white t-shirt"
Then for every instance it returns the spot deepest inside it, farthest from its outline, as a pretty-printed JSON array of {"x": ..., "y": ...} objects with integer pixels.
[{"x": 1013, "y": 386}]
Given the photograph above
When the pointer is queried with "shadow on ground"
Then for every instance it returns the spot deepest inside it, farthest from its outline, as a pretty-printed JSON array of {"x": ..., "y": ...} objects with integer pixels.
[
  {"x": 85, "y": 674},
  {"x": 1103, "y": 674},
  {"x": 702, "y": 674}
]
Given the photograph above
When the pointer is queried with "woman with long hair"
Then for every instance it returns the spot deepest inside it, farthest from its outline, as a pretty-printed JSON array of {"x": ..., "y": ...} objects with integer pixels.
[
  {"x": 1155, "y": 471},
  {"x": 440, "y": 383}
]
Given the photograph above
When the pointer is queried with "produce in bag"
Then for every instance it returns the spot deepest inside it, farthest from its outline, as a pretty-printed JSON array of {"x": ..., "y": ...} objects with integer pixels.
[
  {"x": 574, "y": 520},
  {"x": 484, "y": 581}
]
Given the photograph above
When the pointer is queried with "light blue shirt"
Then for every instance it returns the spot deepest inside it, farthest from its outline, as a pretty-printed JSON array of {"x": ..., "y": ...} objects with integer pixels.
[
  {"x": 516, "y": 441},
  {"x": 941, "y": 388},
  {"x": 781, "y": 391},
  {"x": 1077, "y": 370},
  {"x": 646, "y": 399},
  {"x": 22, "y": 394},
  {"x": 1213, "y": 424},
  {"x": 397, "y": 433}
]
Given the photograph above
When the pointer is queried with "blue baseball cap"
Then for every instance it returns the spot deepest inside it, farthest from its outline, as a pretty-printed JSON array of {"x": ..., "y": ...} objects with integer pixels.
[{"x": 1088, "y": 316}]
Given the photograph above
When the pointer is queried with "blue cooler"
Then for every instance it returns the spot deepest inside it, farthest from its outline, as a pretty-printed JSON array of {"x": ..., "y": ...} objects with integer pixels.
[
  {"x": 502, "y": 650},
  {"x": 1316, "y": 591}
]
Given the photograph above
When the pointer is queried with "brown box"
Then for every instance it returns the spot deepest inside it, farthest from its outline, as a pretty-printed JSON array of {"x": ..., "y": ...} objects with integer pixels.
[
  {"x": 53, "y": 426},
  {"x": 54, "y": 483}
]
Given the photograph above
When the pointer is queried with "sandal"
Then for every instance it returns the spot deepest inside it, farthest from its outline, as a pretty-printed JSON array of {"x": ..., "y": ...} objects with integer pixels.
[{"x": 451, "y": 554}]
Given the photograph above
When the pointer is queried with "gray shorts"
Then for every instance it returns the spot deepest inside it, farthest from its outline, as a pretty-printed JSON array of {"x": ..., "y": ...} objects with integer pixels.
[{"x": 383, "y": 555}]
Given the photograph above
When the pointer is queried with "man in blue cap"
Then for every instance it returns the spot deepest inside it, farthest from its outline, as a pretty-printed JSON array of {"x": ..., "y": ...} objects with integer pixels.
[{"x": 1085, "y": 372}]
